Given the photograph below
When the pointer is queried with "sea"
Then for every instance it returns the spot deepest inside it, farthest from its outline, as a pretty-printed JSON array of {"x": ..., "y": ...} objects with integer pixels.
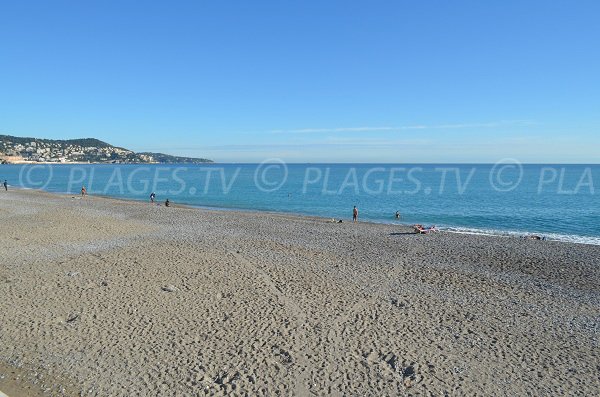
[{"x": 554, "y": 201}]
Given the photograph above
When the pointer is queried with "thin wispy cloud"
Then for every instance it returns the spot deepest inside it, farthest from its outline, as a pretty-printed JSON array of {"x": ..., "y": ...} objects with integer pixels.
[
  {"x": 283, "y": 146},
  {"x": 407, "y": 127},
  {"x": 328, "y": 142},
  {"x": 337, "y": 142}
]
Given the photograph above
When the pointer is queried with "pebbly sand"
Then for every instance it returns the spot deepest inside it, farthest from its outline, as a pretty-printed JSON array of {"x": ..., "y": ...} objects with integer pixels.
[{"x": 100, "y": 297}]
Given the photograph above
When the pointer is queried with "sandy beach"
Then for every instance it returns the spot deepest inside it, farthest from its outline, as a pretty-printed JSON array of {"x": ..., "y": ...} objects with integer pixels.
[{"x": 101, "y": 297}]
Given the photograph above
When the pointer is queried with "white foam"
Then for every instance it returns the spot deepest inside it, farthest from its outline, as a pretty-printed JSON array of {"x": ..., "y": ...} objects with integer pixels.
[{"x": 570, "y": 238}]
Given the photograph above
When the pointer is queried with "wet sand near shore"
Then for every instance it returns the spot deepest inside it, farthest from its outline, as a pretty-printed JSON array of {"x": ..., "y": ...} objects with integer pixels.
[{"x": 105, "y": 297}]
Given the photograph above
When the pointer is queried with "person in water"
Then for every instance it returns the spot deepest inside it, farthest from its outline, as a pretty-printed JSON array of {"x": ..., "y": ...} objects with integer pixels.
[
  {"x": 152, "y": 197},
  {"x": 355, "y": 214},
  {"x": 397, "y": 214},
  {"x": 167, "y": 203},
  {"x": 5, "y": 185}
]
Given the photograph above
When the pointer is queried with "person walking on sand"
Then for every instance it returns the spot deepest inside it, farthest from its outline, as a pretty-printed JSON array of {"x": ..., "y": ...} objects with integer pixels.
[
  {"x": 5, "y": 185},
  {"x": 83, "y": 191},
  {"x": 152, "y": 197},
  {"x": 167, "y": 203},
  {"x": 355, "y": 214}
]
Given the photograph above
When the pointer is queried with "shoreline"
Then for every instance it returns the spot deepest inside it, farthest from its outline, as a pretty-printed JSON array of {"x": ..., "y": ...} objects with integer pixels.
[
  {"x": 103, "y": 295},
  {"x": 480, "y": 231},
  {"x": 559, "y": 219}
]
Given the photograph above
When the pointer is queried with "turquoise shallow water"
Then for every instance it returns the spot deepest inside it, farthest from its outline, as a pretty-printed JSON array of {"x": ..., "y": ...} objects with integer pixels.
[{"x": 557, "y": 201}]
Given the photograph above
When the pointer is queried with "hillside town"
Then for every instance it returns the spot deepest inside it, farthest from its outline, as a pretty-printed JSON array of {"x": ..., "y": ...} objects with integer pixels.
[{"x": 31, "y": 150}]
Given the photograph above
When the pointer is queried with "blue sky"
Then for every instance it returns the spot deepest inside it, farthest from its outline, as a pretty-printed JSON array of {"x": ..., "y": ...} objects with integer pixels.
[{"x": 338, "y": 81}]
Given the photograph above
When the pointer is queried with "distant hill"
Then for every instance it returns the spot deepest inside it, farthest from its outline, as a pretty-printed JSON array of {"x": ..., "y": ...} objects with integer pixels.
[
  {"x": 84, "y": 142},
  {"x": 167, "y": 158},
  {"x": 13, "y": 148}
]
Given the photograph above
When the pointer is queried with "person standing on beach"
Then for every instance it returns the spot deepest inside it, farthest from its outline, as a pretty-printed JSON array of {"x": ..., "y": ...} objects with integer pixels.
[
  {"x": 83, "y": 191},
  {"x": 152, "y": 197},
  {"x": 5, "y": 185},
  {"x": 355, "y": 214}
]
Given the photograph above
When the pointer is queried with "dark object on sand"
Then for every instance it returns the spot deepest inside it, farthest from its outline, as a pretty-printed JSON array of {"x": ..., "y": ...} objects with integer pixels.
[
  {"x": 167, "y": 203},
  {"x": 72, "y": 317},
  {"x": 534, "y": 237}
]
